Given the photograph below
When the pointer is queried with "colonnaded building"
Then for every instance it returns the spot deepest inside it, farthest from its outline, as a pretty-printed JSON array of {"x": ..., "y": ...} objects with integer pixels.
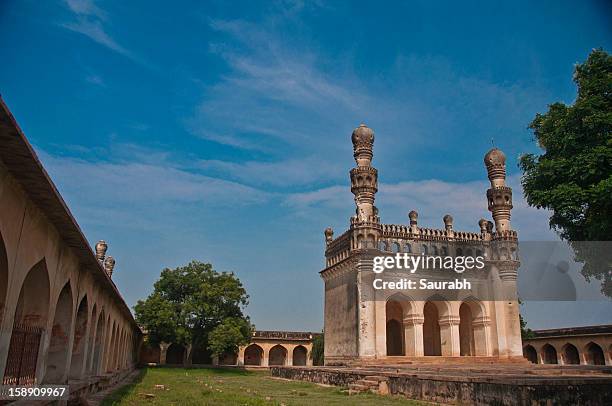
[
  {"x": 362, "y": 323},
  {"x": 62, "y": 318}
]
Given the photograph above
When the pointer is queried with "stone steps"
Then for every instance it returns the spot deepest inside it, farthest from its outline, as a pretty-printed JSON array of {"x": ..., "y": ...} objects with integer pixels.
[{"x": 370, "y": 383}]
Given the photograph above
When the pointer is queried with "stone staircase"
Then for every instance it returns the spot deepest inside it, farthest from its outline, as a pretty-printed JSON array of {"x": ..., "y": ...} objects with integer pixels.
[{"x": 372, "y": 383}]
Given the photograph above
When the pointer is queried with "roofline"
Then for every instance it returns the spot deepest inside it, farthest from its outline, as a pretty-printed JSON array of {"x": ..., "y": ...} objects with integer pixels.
[
  {"x": 17, "y": 154},
  {"x": 572, "y": 331}
]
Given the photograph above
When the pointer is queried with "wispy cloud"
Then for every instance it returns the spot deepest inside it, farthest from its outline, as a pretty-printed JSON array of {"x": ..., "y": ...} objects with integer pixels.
[
  {"x": 432, "y": 199},
  {"x": 90, "y": 21},
  {"x": 95, "y": 80}
]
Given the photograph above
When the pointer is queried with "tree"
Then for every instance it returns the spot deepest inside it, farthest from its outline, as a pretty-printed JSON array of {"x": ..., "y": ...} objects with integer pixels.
[
  {"x": 196, "y": 306},
  {"x": 318, "y": 350},
  {"x": 573, "y": 176}
]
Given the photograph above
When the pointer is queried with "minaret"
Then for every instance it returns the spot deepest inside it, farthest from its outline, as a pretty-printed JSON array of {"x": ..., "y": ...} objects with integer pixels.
[
  {"x": 364, "y": 185},
  {"x": 364, "y": 178},
  {"x": 499, "y": 196}
]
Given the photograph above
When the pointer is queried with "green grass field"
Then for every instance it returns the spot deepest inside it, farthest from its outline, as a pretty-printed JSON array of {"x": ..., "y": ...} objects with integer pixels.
[{"x": 234, "y": 387}]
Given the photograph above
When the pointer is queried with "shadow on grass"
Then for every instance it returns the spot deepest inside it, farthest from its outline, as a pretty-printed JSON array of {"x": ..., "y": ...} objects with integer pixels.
[{"x": 118, "y": 395}]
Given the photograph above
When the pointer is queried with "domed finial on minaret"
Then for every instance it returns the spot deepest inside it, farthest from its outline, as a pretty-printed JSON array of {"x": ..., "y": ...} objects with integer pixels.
[
  {"x": 482, "y": 223},
  {"x": 363, "y": 141},
  {"x": 495, "y": 161},
  {"x": 109, "y": 265},
  {"x": 101, "y": 248},
  {"x": 329, "y": 235},
  {"x": 413, "y": 216},
  {"x": 448, "y": 222}
]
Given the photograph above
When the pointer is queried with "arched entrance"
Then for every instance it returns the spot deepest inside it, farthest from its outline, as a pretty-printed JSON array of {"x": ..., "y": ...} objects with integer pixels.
[
  {"x": 277, "y": 355},
  {"x": 3, "y": 277},
  {"x": 150, "y": 353},
  {"x": 175, "y": 354},
  {"x": 97, "y": 347},
  {"x": 432, "y": 345},
  {"x": 467, "y": 345},
  {"x": 549, "y": 354},
  {"x": 30, "y": 320},
  {"x": 594, "y": 354},
  {"x": 570, "y": 356},
  {"x": 394, "y": 328},
  {"x": 253, "y": 355},
  {"x": 531, "y": 354},
  {"x": 80, "y": 339},
  {"x": 228, "y": 358},
  {"x": 299, "y": 356},
  {"x": 57, "y": 355},
  {"x": 201, "y": 356}
]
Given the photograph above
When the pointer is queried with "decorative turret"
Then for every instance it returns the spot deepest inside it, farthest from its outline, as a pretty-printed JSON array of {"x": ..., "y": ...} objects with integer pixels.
[
  {"x": 448, "y": 222},
  {"x": 329, "y": 235},
  {"x": 101, "y": 248},
  {"x": 499, "y": 196},
  {"x": 109, "y": 265},
  {"x": 413, "y": 216},
  {"x": 364, "y": 178}
]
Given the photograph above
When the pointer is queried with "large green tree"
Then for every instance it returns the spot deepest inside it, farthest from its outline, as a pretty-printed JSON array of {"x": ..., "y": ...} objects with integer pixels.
[
  {"x": 198, "y": 306},
  {"x": 572, "y": 177}
]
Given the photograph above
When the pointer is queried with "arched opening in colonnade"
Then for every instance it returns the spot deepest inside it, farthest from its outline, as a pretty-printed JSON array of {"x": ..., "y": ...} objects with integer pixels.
[
  {"x": 432, "y": 343},
  {"x": 150, "y": 353},
  {"x": 549, "y": 354},
  {"x": 30, "y": 320},
  {"x": 394, "y": 328},
  {"x": 57, "y": 355},
  {"x": 175, "y": 354},
  {"x": 201, "y": 355},
  {"x": 594, "y": 354},
  {"x": 253, "y": 355},
  {"x": 299, "y": 356},
  {"x": 472, "y": 329},
  {"x": 80, "y": 339},
  {"x": 97, "y": 346},
  {"x": 3, "y": 277},
  {"x": 277, "y": 355},
  {"x": 531, "y": 354},
  {"x": 466, "y": 331},
  {"x": 570, "y": 355}
]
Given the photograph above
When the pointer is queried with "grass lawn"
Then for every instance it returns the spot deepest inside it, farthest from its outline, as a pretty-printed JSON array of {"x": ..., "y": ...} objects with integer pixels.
[{"x": 205, "y": 386}]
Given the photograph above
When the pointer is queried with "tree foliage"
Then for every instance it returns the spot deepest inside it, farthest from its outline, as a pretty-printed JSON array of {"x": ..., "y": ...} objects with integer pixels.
[
  {"x": 318, "y": 350},
  {"x": 196, "y": 305},
  {"x": 573, "y": 175}
]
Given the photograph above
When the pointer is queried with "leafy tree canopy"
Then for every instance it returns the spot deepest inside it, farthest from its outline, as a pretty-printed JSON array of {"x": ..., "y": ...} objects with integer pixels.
[
  {"x": 573, "y": 175},
  {"x": 197, "y": 305}
]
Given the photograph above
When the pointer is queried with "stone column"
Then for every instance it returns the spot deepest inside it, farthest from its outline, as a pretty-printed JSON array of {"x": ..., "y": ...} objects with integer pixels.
[
  {"x": 508, "y": 271},
  {"x": 289, "y": 360},
  {"x": 266, "y": 356},
  {"x": 482, "y": 326},
  {"x": 366, "y": 309},
  {"x": 413, "y": 335},
  {"x": 449, "y": 335},
  {"x": 240, "y": 357},
  {"x": 163, "y": 348}
]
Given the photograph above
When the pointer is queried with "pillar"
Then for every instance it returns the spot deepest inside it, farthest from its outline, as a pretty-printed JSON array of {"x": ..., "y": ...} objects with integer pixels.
[
  {"x": 482, "y": 326},
  {"x": 413, "y": 335},
  {"x": 449, "y": 335},
  {"x": 163, "y": 348}
]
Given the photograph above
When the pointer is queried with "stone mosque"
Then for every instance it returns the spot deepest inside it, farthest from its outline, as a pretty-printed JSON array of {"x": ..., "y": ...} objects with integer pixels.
[{"x": 364, "y": 325}]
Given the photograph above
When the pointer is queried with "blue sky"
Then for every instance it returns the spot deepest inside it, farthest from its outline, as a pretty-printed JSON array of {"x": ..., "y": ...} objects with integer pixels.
[{"x": 220, "y": 131}]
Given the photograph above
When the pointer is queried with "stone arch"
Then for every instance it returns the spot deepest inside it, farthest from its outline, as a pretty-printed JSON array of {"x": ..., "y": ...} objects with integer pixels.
[
  {"x": 531, "y": 354},
  {"x": 459, "y": 252},
  {"x": 473, "y": 328},
  {"x": 57, "y": 354},
  {"x": 425, "y": 249},
  {"x": 395, "y": 247},
  {"x": 79, "y": 341},
  {"x": 383, "y": 246},
  {"x": 97, "y": 344},
  {"x": 549, "y": 354},
  {"x": 3, "y": 277},
  {"x": 570, "y": 355},
  {"x": 277, "y": 355},
  {"x": 300, "y": 355},
  {"x": 408, "y": 248},
  {"x": 394, "y": 313},
  {"x": 201, "y": 355},
  {"x": 432, "y": 343},
  {"x": 29, "y": 322},
  {"x": 175, "y": 354},
  {"x": 150, "y": 353},
  {"x": 594, "y": 354},
  {"x": 253, "y": 355},
  {"x": 92, "y": 332}
]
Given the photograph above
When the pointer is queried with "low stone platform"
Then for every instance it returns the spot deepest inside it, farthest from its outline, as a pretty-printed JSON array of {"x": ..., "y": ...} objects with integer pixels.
[{"x": 504, "y": 384}]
